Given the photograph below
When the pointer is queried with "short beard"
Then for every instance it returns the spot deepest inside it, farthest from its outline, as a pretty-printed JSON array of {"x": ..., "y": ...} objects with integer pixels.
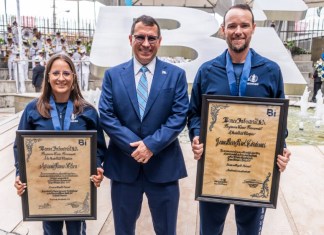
[
  {"x": 235, "y": 49},
  {"x": 238, "y": 50}
]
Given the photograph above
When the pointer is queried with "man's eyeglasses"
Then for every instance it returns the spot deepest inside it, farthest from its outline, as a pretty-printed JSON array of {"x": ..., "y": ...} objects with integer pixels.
[
  {"x": 65, "y": 74},
  {"x": 141, "y": 38}
]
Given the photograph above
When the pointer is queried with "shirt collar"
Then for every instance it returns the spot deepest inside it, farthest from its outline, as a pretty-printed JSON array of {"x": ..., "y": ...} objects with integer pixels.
[{"x": 150, "y": 66}]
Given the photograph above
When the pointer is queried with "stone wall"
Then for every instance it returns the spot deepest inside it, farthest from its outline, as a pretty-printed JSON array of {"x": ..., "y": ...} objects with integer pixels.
[
  {"x": 7, "y": 86},
  {"x": 7, "y": 101},
  {"x": 20, "y": 100},
  {"x": 4, "y": 74}
]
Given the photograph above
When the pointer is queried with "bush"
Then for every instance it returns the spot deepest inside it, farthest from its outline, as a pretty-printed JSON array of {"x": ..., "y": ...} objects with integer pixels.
[{"x": 295, "y": 50}]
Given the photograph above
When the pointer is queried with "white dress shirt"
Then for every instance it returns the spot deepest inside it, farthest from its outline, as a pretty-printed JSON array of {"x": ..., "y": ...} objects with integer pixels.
[{"x": 149, "y": 73}]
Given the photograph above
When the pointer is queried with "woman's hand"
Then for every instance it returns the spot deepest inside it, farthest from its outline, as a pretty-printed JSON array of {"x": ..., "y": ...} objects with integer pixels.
[
  {"x": 21, "y": 187},
  {"x": 283, "y": 160}
]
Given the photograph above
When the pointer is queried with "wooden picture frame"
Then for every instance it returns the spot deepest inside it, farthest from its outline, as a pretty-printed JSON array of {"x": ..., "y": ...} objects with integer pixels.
[
  {"x": 242, "y": 138},
  {"x": 56, "y": 166}
]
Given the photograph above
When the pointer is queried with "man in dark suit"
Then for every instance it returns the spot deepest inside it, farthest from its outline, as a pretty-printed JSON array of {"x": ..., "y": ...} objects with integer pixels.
[
  {"x": 38, "y": 75},
  {"x": 143, "y": 108}
]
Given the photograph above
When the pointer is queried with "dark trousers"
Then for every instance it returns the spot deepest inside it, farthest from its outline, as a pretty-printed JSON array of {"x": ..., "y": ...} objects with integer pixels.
[
  {"x": 72, "y": 227},
  {"x": 163, "y": 201},
  {"x": 38, "y": 88},
  {"x": 317, "y": 86},
  {"x": 249, "y": 220}
]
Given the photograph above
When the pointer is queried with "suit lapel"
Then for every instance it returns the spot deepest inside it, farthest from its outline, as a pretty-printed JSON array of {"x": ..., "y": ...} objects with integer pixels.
[
  {"x": 159, "y": 77},
  {"x": 128, "y": 79}
]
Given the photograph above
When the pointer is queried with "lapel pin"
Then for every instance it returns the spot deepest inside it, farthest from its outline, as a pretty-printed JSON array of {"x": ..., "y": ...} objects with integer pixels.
[{"x": 164, "y": 72}]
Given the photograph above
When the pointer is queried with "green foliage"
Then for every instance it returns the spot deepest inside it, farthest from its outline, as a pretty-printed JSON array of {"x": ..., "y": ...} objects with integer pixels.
[
  {"x": 88, "y": 46},
  {"x": 2, "y": 41},
  {"x": 295, "y": 50}
]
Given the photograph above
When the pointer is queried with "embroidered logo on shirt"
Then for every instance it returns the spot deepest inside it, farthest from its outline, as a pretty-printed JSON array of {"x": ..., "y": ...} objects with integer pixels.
[
  {"x": 252, "y": 80},
  {"x": 73, "y": 118}
]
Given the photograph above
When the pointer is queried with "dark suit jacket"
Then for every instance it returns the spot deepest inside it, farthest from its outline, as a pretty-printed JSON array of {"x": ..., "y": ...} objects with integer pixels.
[
  {"x": 38, "y": 75},
  {"x": 163, "y": 120},
  {"x": 316, "y": 77}
]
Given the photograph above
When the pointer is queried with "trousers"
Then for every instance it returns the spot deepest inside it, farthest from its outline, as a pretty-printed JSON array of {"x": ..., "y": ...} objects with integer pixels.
[
  {"x": 127, "y": 198},
  {"x": 72, "y": 227},
  {"x": 249, "y": 220}
]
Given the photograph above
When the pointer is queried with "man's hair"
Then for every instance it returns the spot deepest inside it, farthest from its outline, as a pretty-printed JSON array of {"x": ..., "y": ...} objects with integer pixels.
[
  {"x": 147, "y": 21},
  {"x": 245, "y": 7}
]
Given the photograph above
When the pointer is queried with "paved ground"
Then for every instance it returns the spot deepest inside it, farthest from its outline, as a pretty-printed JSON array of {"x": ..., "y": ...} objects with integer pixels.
[
  {"x": 300, "y": 208},
  {"x": 6, "y": 113}
]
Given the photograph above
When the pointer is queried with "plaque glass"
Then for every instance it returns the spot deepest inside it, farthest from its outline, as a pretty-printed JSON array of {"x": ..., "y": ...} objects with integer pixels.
[
  {"x": 56, "y": 166},
  {"x": 242, "y": 138}
]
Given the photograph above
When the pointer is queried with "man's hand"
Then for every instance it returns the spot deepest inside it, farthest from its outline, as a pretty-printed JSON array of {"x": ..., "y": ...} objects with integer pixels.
[
  {"x": 96, "y": 179},
  {"x": 141, "y": 154},
  {"x": 283, "y": 160},
  {"x": 197, "y": 148},
  {"x": 21, "y": 187}
]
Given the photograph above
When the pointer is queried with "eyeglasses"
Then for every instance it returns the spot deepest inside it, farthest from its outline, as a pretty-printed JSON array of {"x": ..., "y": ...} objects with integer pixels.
[
  {"x": 141, "y": 38},
  {"x": 65, "y": 74}
]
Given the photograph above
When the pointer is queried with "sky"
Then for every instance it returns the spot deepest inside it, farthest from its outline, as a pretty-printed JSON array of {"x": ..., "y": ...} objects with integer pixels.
[{"x": 44, "y": 8}]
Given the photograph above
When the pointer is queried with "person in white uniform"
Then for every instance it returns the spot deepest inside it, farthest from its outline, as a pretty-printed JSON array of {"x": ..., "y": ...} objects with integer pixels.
[
  {"x": 84, "y": 70},
  {"x": 26, "y": 52},
  {"x": 11, "y": 48},
  {"x": 19, "y": 73},
  {"x": 33, "y": 52}
]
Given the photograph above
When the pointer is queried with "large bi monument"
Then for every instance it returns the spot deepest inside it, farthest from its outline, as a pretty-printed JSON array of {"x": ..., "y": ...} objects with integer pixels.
[{"x": 193, "y": 33}]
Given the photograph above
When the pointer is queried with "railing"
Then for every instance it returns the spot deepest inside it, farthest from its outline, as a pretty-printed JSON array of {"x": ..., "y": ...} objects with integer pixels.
[
  {"x": 68, "y": 28},
  {"x": 301, "y": 33}
]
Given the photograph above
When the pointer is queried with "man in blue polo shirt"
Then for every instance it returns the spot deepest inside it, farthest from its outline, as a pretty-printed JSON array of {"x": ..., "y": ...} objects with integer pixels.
[{"x": 239, "y": 71}]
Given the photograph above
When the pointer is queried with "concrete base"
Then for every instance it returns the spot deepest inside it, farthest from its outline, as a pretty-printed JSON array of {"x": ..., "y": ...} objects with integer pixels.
[
  {"x": 304, "y": 65},
  {"x": 21, "y": 100},
  {"x": 7, "y": 100},
  {"x": 294, "y": 89},
  {"x": 4, "y": 74},
  {"x": 9, "y": 86},
  {"x": 17, "y": 101}
]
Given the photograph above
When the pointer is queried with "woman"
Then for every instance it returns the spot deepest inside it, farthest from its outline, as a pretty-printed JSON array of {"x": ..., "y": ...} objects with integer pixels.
[{"x": 60, "y": 98}]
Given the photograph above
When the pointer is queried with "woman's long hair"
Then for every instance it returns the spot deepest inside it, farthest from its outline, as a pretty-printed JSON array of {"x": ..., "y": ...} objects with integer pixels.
[{"x": 43, "y": 105}]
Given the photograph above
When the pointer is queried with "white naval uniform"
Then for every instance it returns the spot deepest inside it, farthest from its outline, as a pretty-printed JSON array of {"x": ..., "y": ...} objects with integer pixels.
[{"x": 85, "y": 71}]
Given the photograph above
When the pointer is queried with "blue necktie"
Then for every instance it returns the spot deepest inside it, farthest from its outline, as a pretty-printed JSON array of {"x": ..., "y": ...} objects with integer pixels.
[{"x": 142, "y": 91}]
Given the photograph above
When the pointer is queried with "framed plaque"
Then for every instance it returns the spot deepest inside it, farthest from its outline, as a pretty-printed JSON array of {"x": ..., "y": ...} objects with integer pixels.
[
  {"x": 56, "y": 166},
  {"x": 242, "y": 138}
]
